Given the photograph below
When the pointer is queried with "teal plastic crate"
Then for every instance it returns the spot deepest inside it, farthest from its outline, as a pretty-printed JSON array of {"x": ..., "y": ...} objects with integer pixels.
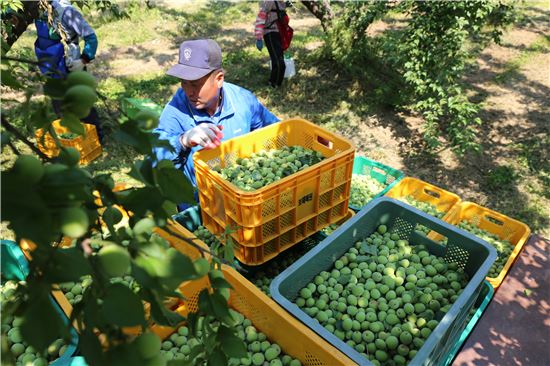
[
  {"x": 382, "y": 173},
  {"x": 189, "y": 218},
  {"x": 480, "y": 305},
  {"x": 16, "y": 267},
  {"x": 471, "y": 253},
  {"x": 132, "y": 106}
]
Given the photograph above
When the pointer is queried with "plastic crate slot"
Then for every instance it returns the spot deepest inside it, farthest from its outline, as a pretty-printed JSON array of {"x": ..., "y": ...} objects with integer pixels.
[
  {"x": 402, "y": 228},
  {"x": 214, "y": 163},
  {"x": 337, "y": 211},
  {"x": 494, "y": 220},
  {"x": 287, "y": 220},
  {"x": 324, "y": 199},
  {"x": 193, "y": 302},
  {"x": 271, "y": 247},
  {"x": 432, "y": 193},
  {"x": 230, "y": 158},
  {"x": 308, "y": 140},
  {"x": 280, "y": 141},
  {"x": 323, "y": 218},
  {"x": 340, "y": 174},
  {"x": 286, "y": 238},
  {"x": 269, "y": 228},
  {"x": 287, "y": 199},
  {"x": 339, "y": 192},
  {"x": 311, "y": 360},
  {"x": 457, "y": 255},
  {"x": 311, "y": 225},
  {"x": 268, "y": 207},
  {"x": 325, "y": 180}
]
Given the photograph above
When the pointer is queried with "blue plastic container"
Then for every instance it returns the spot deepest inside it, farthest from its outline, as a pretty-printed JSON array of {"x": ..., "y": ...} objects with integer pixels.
[
  {"x": 470, "y": 252},
  {"x": 481, "y": 304}
]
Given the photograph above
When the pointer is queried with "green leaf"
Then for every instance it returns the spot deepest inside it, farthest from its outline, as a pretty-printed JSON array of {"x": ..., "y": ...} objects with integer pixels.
[
  {"x": 90, "y": 347},
  {"x": 130, "y": 134},
  {"x": 217, "y": 357},
  {"x": 67, "y": 265},
  {"x": 219, "y": 282},
  {"x": 232, "y": 345},
  {"x": 159, "y": 313},
  {"x": 174, "y": 184},
  {"x": 73, "y": 124},
  {"x": 142, "y": 200},
  {"x": 228, "y": 251},
  {"x": 205, "y": 303},
  {"x": 41, "y": 314},
  {"x": 142, "y": 170},
  {"x": 220, "y": 307},
  {"x": 122, "y": 307}
]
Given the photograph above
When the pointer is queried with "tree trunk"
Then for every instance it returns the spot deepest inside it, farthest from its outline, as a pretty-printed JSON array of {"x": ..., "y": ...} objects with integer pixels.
[
  {"x": 20, "y": 21},
  {"x": 321, "y": 10}
]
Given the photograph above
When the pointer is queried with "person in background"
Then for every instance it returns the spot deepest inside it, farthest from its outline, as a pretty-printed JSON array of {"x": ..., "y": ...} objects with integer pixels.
[
  {"x": 58, "y": 50},
  {"x": 266, "y": 30},
  {"x": 205, "y": 110}
]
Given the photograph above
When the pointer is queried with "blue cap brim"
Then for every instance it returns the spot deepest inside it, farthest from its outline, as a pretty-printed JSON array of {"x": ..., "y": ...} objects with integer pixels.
[{"x": 187, "y": 72}]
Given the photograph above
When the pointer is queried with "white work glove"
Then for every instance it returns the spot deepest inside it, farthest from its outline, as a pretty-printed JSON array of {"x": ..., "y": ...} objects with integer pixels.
[
  {"x": 207, "y": 135},
  {"x": 75, "y": 65}
]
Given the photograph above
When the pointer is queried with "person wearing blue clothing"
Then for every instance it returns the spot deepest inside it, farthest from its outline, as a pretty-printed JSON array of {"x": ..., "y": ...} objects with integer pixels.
[
  {"x": 205, "y": 110},
  {"x": 58, "y": 51}
]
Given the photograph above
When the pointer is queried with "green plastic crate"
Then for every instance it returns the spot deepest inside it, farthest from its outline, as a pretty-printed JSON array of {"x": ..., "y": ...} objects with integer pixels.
[
  {"x": 471, "y": 253},
  {"x": 132, "y": 106},
  {"x": 16, "y": 267},
  {"x": 480, "y": 305},
  {"x": 382, "y": 173}
]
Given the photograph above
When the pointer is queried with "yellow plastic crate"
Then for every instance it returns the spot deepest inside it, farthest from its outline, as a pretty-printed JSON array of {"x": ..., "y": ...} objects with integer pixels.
[
  {"x": 496, "y": 223},
  {"x": 88, "y": 145},
  {"x": 425, "y": 192},
  {"x": 276, "y": 217},
  {"x": 279, "y": 326}
]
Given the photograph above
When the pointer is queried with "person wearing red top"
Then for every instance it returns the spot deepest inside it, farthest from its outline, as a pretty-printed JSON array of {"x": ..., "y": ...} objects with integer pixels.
[{"x": 266, "y": 31}]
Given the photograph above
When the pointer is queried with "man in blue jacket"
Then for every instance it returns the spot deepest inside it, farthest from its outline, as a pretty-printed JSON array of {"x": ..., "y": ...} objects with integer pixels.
[{"x": 205, "y": 110}]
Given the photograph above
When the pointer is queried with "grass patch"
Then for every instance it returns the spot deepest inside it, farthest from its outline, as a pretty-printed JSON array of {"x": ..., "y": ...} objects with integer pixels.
[{"x": 512, "y": 67}]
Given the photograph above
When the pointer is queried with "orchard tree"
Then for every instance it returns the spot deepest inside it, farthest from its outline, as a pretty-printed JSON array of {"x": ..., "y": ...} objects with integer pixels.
[
  {"x": 47, "y": 199},
  {"x": 421, "y": 65}
]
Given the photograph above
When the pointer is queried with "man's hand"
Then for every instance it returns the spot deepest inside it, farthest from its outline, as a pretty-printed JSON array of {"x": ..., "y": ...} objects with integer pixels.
[
  {"x": 259, "y": 44},
  {"x": 207, "y": 135}
]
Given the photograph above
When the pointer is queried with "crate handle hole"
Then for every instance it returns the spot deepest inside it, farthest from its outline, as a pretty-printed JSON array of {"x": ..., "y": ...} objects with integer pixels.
[
  {"x": 494, "y": 220},
  {"x": 432, "y": 193},
  {"x": 378, "y": 170},
  {"x": 325, "y": 142}
]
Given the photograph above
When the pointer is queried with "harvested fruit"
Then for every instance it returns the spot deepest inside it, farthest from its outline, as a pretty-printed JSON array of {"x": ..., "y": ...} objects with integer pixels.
[
  {"x": 383, "y": 297},
  {"x": 504, "y": 247},
  {"x": 426, "y": 207},
  {"x": 268, "y": 166},
  {"x": 23, "y": 353},
  {"x": 363, "y": 189},
  {"x": 261, "y": 351},
  {"x": 262, "y": 277}
]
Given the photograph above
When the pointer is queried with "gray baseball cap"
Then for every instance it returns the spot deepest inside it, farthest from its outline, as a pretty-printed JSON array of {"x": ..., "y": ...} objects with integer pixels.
[{"x": 197, "y": 58}]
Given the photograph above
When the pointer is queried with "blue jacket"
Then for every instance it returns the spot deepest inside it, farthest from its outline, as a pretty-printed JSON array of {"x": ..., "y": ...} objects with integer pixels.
[{"x": 241, "y": 112}]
